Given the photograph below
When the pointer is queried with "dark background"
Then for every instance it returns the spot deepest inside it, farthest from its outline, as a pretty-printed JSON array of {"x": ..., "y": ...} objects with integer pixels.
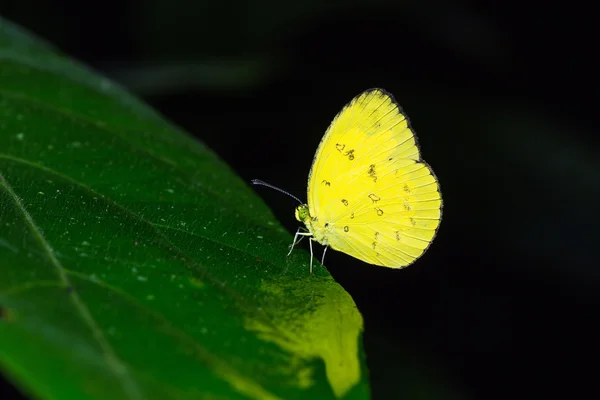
[{"x": 504, "y": 98}]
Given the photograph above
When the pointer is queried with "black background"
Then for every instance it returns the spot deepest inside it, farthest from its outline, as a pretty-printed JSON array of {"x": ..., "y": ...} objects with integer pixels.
[{"x": 504, "y": 99}]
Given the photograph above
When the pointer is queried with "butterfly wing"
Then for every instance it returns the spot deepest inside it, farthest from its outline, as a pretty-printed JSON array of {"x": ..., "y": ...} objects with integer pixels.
[{"x": 373, "y": 196}]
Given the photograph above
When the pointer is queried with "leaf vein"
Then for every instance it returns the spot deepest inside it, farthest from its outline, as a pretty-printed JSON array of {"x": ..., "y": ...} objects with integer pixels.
[{"x": 117, "y": 366}]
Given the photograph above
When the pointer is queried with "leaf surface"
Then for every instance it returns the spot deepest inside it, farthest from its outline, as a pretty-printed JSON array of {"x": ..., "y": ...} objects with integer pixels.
[{"x": 136, "y": 265}]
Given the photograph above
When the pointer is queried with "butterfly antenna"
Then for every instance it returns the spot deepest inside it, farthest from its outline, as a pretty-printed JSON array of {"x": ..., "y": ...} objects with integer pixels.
[{"x": 259, "y": 182}]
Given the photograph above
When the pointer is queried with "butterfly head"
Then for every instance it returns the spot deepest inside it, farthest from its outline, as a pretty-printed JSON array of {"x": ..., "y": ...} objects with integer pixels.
[{"x": 302, "y": 212}]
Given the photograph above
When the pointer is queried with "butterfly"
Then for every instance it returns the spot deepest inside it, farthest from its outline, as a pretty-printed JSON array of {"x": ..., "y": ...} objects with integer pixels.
[{"x": 370, "y": 194}]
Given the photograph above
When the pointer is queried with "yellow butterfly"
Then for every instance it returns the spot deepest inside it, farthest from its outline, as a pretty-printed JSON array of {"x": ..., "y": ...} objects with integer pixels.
[{"x": 370, "y": 194}]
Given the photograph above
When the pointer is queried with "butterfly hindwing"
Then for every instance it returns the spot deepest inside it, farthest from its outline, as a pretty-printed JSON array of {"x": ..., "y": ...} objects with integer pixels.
[{"x": 393, "y": 221}]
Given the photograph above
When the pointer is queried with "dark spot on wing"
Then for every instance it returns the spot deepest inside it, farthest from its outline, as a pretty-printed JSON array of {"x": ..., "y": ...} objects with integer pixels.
[
  {"x": 374, "y": 197},
  {"x": 372, "y": 173},
  {"x": 326, "y": 183},
  {"x": 346, "y": 229},
  {"x": 345, "y": 202},
  {"x": 379, "y": 211}
]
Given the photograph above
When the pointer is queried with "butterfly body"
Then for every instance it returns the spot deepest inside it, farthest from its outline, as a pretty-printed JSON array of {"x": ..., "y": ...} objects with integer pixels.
[{"x": 370, "y": 194}]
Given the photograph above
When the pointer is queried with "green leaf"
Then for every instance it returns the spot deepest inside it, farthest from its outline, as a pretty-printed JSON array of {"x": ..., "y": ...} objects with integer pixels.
[{"x": 135, "y": 265}]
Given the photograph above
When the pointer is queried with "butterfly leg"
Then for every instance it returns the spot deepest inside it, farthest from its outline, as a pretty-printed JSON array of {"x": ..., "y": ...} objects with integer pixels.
[
  {"x": 323, "y": 258},
  {"x": 295, "y": 242},
  {"x": 311, "y": 253}
]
